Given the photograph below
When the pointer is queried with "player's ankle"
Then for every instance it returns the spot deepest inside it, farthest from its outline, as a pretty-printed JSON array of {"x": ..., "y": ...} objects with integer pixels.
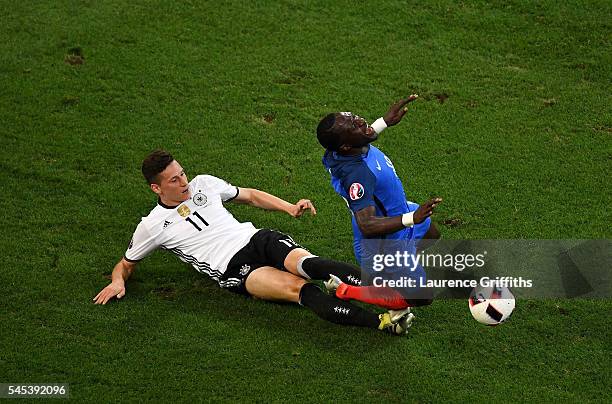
[{"x": 341, "y": 291}]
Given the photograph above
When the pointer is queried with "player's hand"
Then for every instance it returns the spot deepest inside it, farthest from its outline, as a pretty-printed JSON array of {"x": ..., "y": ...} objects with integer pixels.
[
  {"x": 112, "y": 290},
  {"x": 425, "y": 210},
  {"x": 302, "y": 206},
  {"x": 398, "y": 110}
]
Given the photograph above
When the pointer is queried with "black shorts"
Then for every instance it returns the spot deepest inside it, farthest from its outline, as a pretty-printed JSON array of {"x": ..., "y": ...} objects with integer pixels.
[{"x": 266, "y": 248}]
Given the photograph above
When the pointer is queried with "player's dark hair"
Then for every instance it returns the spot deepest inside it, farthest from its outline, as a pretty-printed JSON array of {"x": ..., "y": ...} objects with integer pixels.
[
  {"x": 155, "y": 163},
  {"x": 326, "y": 136}
]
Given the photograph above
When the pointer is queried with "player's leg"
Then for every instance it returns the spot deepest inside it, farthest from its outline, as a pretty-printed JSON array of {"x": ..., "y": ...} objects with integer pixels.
[
  {"x": 269, "y": 283},
  {"x": 280, "y": 250},
  {"x": 301, "y": 262},
  {"x": 418, "y": 296}
]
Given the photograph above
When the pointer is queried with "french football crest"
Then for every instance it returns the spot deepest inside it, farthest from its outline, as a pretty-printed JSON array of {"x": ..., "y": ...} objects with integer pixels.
[
  {"x": 200, "y": 199},
  {"x": 356, "y": 191},
  {"x": 183, "y": 210}
]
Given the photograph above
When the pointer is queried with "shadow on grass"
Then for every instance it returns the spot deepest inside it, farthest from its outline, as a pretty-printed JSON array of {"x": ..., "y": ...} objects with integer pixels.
[{"x": 287, "y": 324}]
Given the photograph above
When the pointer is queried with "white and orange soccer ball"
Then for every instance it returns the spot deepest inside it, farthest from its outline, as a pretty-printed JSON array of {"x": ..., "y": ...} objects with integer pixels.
[{"x": 492, "y": 305}]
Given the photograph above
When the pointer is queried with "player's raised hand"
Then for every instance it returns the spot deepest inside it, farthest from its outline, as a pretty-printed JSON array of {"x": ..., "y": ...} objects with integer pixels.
[
  {"x": 302, "y": 206},
  {"x": 398, "y": 110},
  {"x": 425, "y": 210},
  {"x": 112, "y": 290}
]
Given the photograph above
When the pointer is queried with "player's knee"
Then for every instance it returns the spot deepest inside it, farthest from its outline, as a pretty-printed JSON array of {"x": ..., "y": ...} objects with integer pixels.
[
  {"x": 295, "y": 286},
  {"x": 294, "y": 257}
]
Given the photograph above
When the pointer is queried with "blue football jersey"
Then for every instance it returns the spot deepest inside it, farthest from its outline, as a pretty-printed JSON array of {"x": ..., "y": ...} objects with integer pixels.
[{"x": 367, "y": 180}]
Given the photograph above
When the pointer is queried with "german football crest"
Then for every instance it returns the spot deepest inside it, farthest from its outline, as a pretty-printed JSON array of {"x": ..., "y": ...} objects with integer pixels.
[
  {"x": 356, "y": 191},
  {"x": 200, "y": 199},
  {"x": 245, "y": 269},
  {"x": 183, "y": 210}
]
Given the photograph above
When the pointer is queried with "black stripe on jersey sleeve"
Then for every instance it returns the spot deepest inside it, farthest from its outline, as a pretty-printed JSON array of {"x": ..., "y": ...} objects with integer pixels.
[
  {"x": 129, "y": 260},
  {"x": 233, "y": 197}
]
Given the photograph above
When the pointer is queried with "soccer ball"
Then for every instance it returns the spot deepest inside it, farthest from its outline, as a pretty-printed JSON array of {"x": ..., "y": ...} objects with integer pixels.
[{"x": 492, "y": 305}]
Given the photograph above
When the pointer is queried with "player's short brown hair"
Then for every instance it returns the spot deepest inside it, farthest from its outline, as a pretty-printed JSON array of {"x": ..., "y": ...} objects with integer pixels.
[{"x": 155, "y": 163}]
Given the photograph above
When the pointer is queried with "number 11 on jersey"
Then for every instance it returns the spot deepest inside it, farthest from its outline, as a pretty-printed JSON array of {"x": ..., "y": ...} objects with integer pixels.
[{"x": 194, "y": 223}]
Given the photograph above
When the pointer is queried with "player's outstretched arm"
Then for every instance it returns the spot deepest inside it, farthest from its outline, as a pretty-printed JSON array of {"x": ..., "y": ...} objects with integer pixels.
[
  {"x": 372, "y": 225},
  {"x": 398, "y": 110},
  {"x": 121, "y": 273},
  {"x": 264, "y": 200}
]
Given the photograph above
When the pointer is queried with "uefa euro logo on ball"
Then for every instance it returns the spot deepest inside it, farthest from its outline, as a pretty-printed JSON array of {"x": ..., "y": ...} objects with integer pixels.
[{"x": 491, "y": 305}]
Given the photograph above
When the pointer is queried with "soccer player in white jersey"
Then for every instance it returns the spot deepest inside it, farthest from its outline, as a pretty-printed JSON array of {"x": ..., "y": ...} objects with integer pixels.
[{"x": 191, "y": 221}]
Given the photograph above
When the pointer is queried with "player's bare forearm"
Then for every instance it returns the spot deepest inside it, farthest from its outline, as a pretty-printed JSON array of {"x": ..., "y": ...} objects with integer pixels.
[
  {"x": 372, "y": 225},
  {"x": 264, "y": 200},
  {"x": 121, "y": 273},
  {"x": 123, "y": 270}
]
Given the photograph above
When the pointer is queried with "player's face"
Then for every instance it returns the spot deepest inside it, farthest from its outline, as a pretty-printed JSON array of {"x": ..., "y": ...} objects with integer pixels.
[
  {"x": 173, "y": 185},
  {"x": 354, "y": 130}
]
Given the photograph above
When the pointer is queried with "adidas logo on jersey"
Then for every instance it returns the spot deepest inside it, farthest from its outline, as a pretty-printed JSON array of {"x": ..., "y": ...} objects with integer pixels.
[{"x": 167, "y": 223}]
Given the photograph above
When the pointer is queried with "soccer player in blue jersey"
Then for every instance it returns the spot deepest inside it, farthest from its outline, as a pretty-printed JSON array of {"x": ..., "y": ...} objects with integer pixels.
[{"x": 366, "y": 179}]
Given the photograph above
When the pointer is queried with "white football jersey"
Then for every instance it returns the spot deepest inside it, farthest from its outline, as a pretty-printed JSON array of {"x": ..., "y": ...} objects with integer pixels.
[{"x": 200, "y": 231}]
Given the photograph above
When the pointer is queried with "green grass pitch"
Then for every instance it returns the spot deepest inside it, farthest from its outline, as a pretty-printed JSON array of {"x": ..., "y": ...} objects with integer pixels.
[{"x": 513, "y": 129}]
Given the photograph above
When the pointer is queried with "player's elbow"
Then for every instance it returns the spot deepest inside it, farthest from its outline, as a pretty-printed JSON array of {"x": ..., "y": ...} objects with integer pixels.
[{"x": 247, "y": 195}]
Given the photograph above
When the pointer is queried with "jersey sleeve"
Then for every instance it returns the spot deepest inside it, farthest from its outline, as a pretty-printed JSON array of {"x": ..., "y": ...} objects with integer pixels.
[
  {"x": 141, "y": 245},
  {"x": 359, "y": 184},
  {"x": 226, "y": 190}
]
